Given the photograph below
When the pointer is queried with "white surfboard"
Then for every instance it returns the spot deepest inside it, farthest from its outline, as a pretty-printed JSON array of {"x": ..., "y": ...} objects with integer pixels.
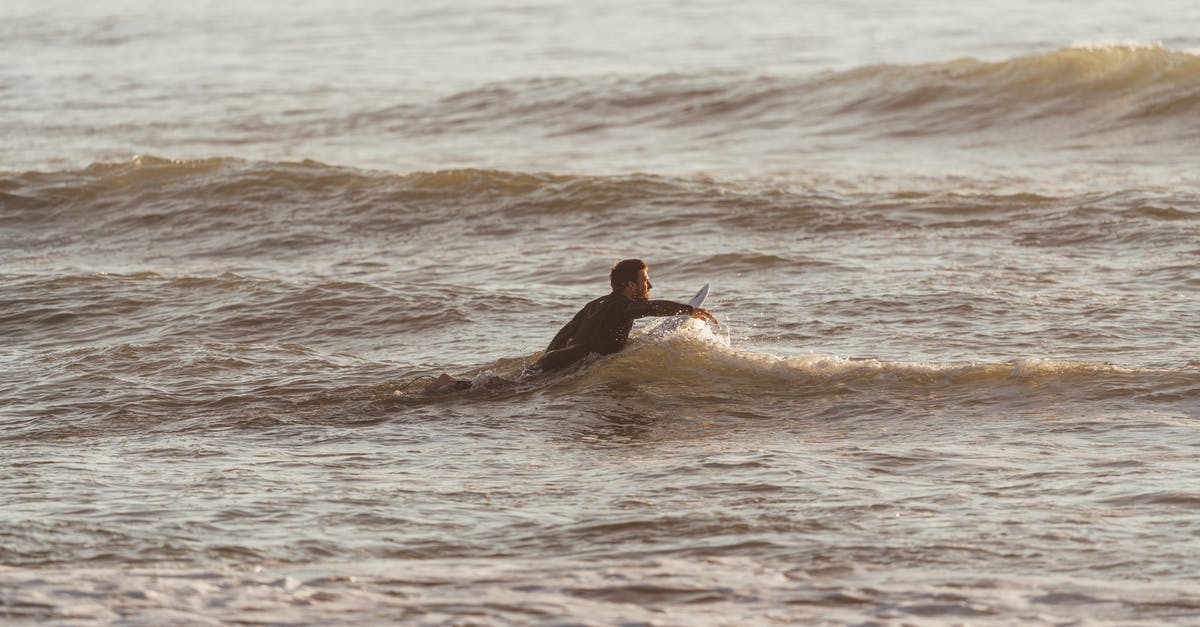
[{"x": 666, "y": 325}]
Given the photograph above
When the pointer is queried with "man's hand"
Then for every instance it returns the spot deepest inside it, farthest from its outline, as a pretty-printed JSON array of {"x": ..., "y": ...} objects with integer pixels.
[{"x": 702, "y": 314}]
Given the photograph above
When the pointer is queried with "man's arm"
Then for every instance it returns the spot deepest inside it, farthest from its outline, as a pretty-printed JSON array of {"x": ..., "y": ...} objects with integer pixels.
[{"x": 659, "y": 308}]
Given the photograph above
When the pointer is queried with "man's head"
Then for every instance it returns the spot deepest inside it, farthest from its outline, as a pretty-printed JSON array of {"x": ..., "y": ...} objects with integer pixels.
[{"x": 631, "y": 278}]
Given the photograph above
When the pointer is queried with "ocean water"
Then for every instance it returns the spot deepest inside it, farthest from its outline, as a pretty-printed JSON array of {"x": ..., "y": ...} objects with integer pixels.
[{"x": 954, "y": 252}]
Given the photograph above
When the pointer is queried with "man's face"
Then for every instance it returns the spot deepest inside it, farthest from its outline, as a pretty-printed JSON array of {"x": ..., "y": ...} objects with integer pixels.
[{"x": 641, "y": 287}]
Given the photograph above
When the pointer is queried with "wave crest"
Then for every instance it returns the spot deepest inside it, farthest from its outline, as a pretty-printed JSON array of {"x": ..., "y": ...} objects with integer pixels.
[
  {"x": 696, "y": 358},
  {"x": 1098, "y": 88}
]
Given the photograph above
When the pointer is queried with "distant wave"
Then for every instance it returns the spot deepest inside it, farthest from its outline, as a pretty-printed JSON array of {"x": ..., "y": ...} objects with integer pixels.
[
  {"x": 1083, "y": 89},
  {"x": 1125, "y": 112}
]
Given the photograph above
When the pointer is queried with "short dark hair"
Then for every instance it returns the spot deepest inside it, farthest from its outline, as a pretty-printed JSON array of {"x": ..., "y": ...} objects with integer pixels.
[{"x": 625, "y": 272}]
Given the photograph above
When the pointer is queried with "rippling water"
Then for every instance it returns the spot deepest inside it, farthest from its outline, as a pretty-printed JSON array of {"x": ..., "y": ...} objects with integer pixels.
[{"x": 955, "y": 267}]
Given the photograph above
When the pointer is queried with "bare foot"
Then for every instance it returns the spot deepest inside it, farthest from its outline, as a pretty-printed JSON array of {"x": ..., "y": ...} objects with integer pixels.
[{"x": 440, "y": 382}]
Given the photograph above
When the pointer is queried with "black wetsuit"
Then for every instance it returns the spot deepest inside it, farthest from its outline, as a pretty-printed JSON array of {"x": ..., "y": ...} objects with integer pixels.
[{"x": 602, "y": 326}]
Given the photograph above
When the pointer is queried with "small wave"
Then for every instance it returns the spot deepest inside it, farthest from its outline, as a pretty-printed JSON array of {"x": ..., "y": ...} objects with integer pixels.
[
  {"x": 189, "y": 199},
  {"x": 61, "y": 310},
  {"x": 1166, "y": 498},
  {"x": 696, "y": 356},
  {"x": 247, "y": 215},
  {"x": 223, "y": 207},
  {"x": 752, "y": 261},
  {"x": 697, "y": 361}
]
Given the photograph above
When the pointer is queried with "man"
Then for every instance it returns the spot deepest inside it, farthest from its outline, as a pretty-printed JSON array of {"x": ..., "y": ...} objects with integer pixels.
[{"x": 603, "y": 325}]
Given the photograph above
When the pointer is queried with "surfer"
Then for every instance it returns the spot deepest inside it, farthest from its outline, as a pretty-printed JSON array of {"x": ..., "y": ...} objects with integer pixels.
[{"x": 603, "y": 325}]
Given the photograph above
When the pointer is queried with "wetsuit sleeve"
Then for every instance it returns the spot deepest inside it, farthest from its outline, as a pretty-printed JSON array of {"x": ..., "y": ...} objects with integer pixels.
[{"x": 647, "y": 308}]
